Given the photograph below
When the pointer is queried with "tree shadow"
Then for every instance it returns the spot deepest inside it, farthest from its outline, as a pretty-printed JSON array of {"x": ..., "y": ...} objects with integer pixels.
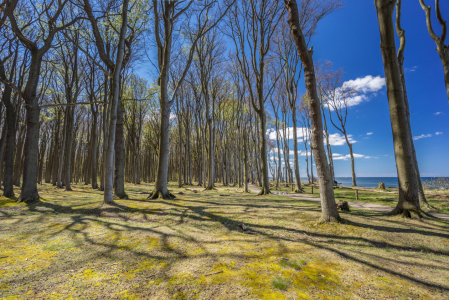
[{"x": 119, "y": 218}]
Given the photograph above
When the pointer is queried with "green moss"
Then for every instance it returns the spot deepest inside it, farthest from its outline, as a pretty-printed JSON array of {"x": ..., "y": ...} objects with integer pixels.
[
  {"x": 58, "y": 247},
  {"x": 281, "y": 283},
  {"x": 291, "y": 263},
  {"x": 384, "y": 279}
]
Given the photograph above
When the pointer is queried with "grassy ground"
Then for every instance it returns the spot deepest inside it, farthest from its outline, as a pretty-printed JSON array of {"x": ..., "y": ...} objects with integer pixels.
[
  {"x": 439, "y": 200},
  {"x": 69, "y": 245}
]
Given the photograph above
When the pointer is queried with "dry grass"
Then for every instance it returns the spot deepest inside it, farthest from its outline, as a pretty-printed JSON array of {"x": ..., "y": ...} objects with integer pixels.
[
  {"x": 439, "y": 200},
  {"x": 70, "y": 245}
]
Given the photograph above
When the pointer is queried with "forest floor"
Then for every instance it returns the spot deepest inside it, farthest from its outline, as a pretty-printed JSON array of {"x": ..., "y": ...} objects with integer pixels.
[
  {"x": 438, "y": 199},
  {"x": 70, "y": 245}
]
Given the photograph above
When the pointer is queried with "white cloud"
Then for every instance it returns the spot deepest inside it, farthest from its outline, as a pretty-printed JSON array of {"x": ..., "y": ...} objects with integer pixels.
[
  {"x": 369, "y": 133},
  {"x": 422, "y": 136},
  {"x": 366, "y": 84},
  {"x": 299, "y": 133},
  {"x": 337, "y": 139},
  {"x": 438, "y": 133},
  {"x": 412, "y": 69},
  {"x": 362, "y": 88},
  {"x": 438, "y": 113},
  {"x": 337, "y": 156},
  {"x": 291, "y": 152}
]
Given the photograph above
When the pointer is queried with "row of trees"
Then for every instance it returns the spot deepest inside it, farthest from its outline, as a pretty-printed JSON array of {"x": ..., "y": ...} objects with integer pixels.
[{"x": 77, "y": 111}]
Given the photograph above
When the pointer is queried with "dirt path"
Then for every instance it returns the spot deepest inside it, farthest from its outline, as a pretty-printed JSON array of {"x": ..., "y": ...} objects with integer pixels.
[{"x": 361, "y": 205}]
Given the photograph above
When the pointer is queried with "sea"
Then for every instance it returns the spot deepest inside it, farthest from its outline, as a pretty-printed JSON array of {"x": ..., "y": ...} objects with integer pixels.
[{"x": 371, "y": 181}]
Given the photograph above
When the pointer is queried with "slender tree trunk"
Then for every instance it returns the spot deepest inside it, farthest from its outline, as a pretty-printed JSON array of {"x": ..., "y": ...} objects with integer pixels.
[
  {"x": 115, "y": 93},
  {"x": 211, "y": 162},
  {"x": 61, "y": 157},
  {"x": 401, "y": 33},
  {"x": 351, "y": 153},
  {"x": 329, "y": 208},
  {"x": 69, "y": 144},
  {"x": 120, "y": 153},
  {"x": 408, "y": 187},
  {"x": 94, "y": 140},
  {"x": 295, "y": 149},
  {"x": 160, "y": 188},
  {"x": 10, "y": 142}
]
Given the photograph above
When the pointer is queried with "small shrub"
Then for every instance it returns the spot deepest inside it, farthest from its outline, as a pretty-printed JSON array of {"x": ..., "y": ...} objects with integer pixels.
[{"x": 436, "y": 183}]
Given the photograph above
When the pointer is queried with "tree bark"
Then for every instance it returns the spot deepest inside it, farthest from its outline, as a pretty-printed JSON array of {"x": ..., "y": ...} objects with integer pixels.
[
  {"x": 329, "y": 211},
  {"x": 298, "y": 187},
  {"x": 115, "y": 92},
  {"x": 69, "y": 145},
  {"x": 119, "y": 156},
  {"x": 401, "y": 33},
  {"x": 408, "y": 188},
  {"x": 443, "y": 50},
  {"x": 94, "y": 140}
]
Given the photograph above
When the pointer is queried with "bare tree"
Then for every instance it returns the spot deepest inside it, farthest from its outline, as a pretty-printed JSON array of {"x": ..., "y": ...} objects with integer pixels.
[
  {"x": 167, "y": 15},
  {"x": 408, "y": 187},
  {"x": 55, "y": 15},
  {"x": 401, "y": 50},
  {"x": 329, "y": 211},
  {"x": 337, "y": 98},
  {"x": 442, "y": 49},
  {"x": 324, "y": 73},
  {"x": 252, "y": 27}
]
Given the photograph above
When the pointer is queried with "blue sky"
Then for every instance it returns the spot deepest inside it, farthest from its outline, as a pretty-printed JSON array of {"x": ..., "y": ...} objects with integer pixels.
[{"x": 350, "y": 40}]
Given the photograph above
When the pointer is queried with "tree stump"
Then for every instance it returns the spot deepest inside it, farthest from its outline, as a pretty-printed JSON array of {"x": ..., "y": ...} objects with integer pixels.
[
  {"x": 343, "y": 205},
  {"x": 381, "y": 186}
]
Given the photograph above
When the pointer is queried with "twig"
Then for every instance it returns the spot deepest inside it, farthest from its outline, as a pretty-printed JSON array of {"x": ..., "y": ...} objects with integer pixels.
[{"x": 221, "y": 271}]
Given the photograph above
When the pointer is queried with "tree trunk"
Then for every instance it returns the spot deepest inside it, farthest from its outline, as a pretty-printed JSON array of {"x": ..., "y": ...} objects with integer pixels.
[
  {"x": 10, "y": 142},
  {"x": 408, "y": 187},
  {"x": 354, "y": 183},
  {"x": 295, "y": 149},
  {"x": 115, "y": 93},
  {"x": 69, "y": 144},
  {"x": 119, "y": 153},
  {"x": 160, "y": 188},
  {"x": 94, "y": 140},
  {"x": 64, "y": 143},
  {"x": 211, "y": 162},
  {"x": 245, "y": 168},
  {"x": 329, "y": 208},
  {"x": 401, "y": 33}
]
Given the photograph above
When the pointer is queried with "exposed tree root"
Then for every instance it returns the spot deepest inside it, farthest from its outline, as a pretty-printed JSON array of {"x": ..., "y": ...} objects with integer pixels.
[
  {"x": 8, "y": 193},
  {"x": 123, "y": 196},
  {"x": 299, "y": 191},
  {"x": 264, "y": 191},
  {"x": 331, "y": 219},
  {"x": 160, "y": 195},
  {"x": 426, "y": 205},
  {"x": 407, "y": 212},
  {"x": 34, "y": 198}
]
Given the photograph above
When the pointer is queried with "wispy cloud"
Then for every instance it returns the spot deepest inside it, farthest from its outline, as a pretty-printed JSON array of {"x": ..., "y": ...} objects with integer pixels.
[
  {"x": 422, "y": 136},
  {"x": 336, "y": 139},
  {"x": 412, "y": 69},
  {"x": 369, "y": 133},
  {"x": 337, "y": 156},
  {"x": 438, "y": 113},
  {"x": 438, "y": 133}
]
